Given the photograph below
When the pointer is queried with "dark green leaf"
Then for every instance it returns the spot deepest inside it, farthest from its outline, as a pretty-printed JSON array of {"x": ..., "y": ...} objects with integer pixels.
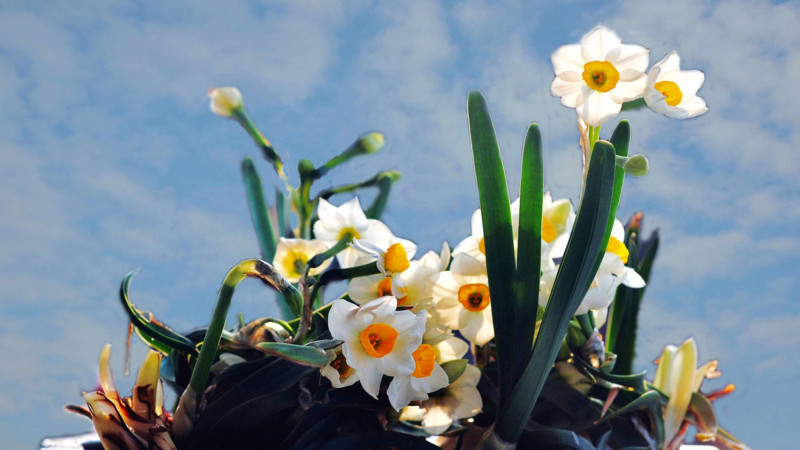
[
  {"x": 375, "y": 210},
  {"x": 497, "y": 233},
  {"x": 454, "y": 369},
  {"x": 529, "y": 254},
  {"x": 155, "y": 333},
  {"x": 634, "y": 104},
  {"x": 300, "y": 354},
  {"x": 635, "y": 381},
  {"x": 650, "y": 402},
  {"x": 258, "y": 210},
  {"x": 577, "y": 269},
  {"x": 378, "y": 440},
  {"x": 554, "y": 438}
]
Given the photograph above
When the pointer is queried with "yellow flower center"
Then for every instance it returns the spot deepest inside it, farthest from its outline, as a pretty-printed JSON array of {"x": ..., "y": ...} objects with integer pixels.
[
  {"x": 601, "y": 76},
  {"x": 341, "y": 366},
  {"x": 294, "y": 265},
  {"x": 395, "y": 259},
  {"x": 378, "y": 339},
  {"x": 549, "y": 232},
  {"x": 671, "y": 91},
  {"x": 618, "y": 248},
  {"x": 349, "y": 231},
  {"x": 424, "y": 358},
  {"x": 482, "y": 246},
  {"x": 385, "y": 288},
  {"x": 475, "y": 296}
]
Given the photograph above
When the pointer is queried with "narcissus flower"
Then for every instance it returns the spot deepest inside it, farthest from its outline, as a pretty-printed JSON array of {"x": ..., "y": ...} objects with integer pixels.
[
  {"x": 474, "y": 245},
  {"x": 462, "y": 299},
  {"x": 225, "y": 100},
  {"x": 292, "y": 255},
  {"x": 392, "y": 259},
  {"x": 673, "y": 92},
  {"x": 428, "y": 376},
  {"x": 459, "y": 400},
  {"x": 338, "y": 371},
  {"x": 349, "y": 219},
  {"x": 598, "y": 75},
  {"x": 378, "y": 339}
]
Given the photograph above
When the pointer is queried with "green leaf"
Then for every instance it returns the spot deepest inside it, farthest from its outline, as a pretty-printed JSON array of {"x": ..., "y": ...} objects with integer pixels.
[
  {"x": 529, "y": 254},
  {"x": 258, "y": 209},
  {"x": 153, "y": 332},
  {"x": 634, "y": 104},
  {"x": 300, "y": 354},
  {"x": 650, "y": 402},
  {"x": 635, "y": 381},
  {"x": 497, "y": 233},
  {"x": 577, "y": 269},
  {"x": 378, "y": 440},
  {"x": 554, "y": 438},
  {"x": 703, "y": 412},
  {"x": 454, "y": 369},
  {"x": 283, "y": 219}
]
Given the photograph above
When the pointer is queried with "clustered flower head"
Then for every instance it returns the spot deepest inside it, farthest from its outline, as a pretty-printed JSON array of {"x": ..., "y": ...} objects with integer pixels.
[{"x": 599, "y": 75}]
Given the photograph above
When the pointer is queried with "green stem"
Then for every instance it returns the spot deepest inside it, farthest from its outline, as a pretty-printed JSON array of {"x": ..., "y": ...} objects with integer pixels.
[
  {"x": 247, "y": 268},
  {"x": 585, "y": 321},
  {"x": 241, "y": 116}
]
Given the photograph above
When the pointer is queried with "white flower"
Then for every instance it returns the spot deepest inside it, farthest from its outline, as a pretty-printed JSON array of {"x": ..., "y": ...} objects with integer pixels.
[
  {"x": 338, "y": 371},
  {"x": 336, "y": 222},
  {"x": 460, "y": 400},
  {"x": 292, "y": 255},
  {"x": 378, "y": 340},
  {"x": 611, "y": 273},
  {"x": 392, "y": 259},
  {"x": 428, "y": 376},
  {"x": 673, "y": 92},
  {"x": 558, "y": 218},
  {"x": 598, "y": 75},
  {"x": 448, "y": 347},
  {"x": 412, "y": 288},
  {"x": 225, "y": 100},
  {"x": 462, "y": 300}
]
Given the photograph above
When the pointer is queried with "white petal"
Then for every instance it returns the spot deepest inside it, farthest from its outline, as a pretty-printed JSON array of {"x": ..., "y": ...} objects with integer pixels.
[
  {"x": 598, "y": 109},
  {"x": 340, "y": 319},
  {"x": 689, "y": 81},
  {"x": 632, "y": 279},
  {"x": 475, "y": 327},
  {"x": 436, "y": 420},
  {"x": 633, "y": 57},
  {"x": 378, "y": 310},
  {"x": 400, "y": 392},
  {"x": 598, "y": 44},
  {"x": 436, "y": 380},
  {"x": 476, "y": 224},
  {"x": 466, "y": 265},
  {"x": 377, "y": 232},
  {"x": 363, "y": 290},
  {"x": 629, "y": 90},
  {"x": 351, "y": 213},
  {"x": 567, "y": 58},
  {"x": 370, "y": 379}
]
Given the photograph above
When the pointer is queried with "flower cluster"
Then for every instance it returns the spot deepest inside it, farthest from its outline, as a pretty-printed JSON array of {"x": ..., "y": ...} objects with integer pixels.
[{"x": 599, "y": 75}]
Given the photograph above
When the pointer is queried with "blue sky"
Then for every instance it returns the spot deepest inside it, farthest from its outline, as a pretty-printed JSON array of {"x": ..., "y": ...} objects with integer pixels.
[{"x": 111, "y": 161}]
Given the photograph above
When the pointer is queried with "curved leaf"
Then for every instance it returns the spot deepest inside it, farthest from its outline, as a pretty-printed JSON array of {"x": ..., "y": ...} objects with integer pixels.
[{"x": 154, "y": 332}]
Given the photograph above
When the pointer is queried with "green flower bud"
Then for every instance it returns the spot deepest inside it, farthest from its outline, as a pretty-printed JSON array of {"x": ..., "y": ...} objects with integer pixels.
[{"x": 637, "y": 165}]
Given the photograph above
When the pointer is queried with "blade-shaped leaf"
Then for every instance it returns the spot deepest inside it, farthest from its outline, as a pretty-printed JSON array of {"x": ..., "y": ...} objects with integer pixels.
[
  {"x": 155, "y": 333},
  {"x": 375, "y": 210},
  {"x": 257, "y": 205},
  {"x": 529, "y": 254},
  {"x": 300, "y": 354},
  {"x": 650, "y": 402},
  {"x": 554, "y": 438},
  {"x": 577, "y": 269},
  {"x": 497, "y": 233},
  {"x": 704, "y": 414}
]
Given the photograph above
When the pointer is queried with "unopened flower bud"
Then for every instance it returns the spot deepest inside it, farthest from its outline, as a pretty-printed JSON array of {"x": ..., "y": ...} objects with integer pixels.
[
  {"x": 225, "y": 100},
  {"x": 371, "y": 142},
  {"x": 637, "y": 165}
]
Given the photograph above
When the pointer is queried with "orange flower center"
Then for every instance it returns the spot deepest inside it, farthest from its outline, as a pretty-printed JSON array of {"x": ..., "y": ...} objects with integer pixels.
[
  {"x": 549, "y": 232},
  {"x": 378, "y": 339},
  {"x": 385, "y": 288},
  {"x": 474, "y": 297},
  {"x": 482, "y": 246},
  {"x": 601, "y": 76},
  {"x": 396, "y": 259},
  {"x": 340, "y": 364},
  {"x": 671, "y": 91},
  {"x": 618, "y": 248},
  {"x": 424, "y": 358}
]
